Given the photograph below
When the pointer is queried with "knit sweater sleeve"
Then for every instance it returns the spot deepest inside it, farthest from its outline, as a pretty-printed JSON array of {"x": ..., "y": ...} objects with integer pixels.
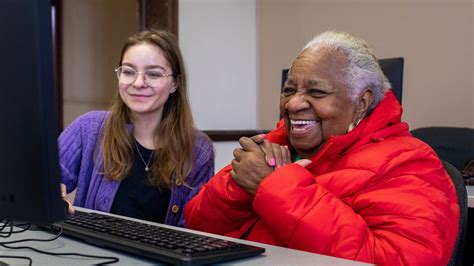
[
  {"x": 203, "y": 170},
  {"x": 75, "y": 142}
]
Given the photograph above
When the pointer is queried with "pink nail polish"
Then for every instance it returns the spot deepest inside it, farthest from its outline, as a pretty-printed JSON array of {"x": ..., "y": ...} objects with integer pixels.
[
  {"x": 272, "y": 162},
  {"x": 262, "y": 135}
]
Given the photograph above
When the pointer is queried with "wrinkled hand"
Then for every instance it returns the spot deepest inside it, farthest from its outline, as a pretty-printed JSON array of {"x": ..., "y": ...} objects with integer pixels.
[
  {"x": 63, "y": 196},
  {"x": 276, "y": 155},
  {"x": 249, "y": 165}
]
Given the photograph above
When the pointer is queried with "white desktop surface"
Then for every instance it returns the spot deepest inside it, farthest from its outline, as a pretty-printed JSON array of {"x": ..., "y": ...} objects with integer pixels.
[
  {"x": 470, "y": 196},
  {"x": 273, "y": 255}
]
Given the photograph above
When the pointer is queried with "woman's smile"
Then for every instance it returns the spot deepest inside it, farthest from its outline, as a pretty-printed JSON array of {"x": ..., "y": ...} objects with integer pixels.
[
  {"x": 139, "y": 96},
  {"x": 303, "y": 127}
]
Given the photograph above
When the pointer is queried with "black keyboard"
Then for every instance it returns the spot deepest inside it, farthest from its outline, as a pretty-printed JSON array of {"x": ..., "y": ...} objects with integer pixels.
[{"x": 153, "y": 241}]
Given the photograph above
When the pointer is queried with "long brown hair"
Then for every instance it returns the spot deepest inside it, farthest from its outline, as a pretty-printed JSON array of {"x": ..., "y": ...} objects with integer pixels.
[{"x": 175, "y": 131}]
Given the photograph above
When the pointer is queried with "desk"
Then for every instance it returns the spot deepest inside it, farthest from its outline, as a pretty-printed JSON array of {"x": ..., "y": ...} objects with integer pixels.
[
  {"x": 470, "y": 196},
  {"x": 273, "y": 255}
]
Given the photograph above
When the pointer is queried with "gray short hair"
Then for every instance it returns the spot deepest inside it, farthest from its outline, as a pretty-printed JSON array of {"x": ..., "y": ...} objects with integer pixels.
[{"x": 363, "y": 69}]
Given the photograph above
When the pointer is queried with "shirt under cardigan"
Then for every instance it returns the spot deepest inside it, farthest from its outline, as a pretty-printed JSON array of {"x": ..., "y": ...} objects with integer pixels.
[{"x": 136, "y": 197}]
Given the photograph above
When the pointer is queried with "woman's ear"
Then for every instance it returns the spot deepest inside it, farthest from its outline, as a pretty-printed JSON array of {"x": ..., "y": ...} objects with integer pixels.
[
  {"x": 363, "y": 102},
  {"x": 174, "y": 85}
]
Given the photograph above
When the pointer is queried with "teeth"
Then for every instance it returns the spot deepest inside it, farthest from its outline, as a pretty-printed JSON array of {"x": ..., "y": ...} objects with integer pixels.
[{"x": 303, "y": 122}]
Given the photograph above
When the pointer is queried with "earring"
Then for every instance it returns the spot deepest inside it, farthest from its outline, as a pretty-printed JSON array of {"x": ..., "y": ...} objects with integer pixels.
[{"x": 352, "y": 125}]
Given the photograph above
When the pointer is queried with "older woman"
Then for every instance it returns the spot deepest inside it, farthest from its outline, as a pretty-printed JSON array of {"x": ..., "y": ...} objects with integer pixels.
[{"x": 362, "y": 187}]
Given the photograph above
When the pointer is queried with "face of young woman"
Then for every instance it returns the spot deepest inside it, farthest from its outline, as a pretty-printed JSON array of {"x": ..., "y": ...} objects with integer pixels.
[{"x": 148, "y": 93}]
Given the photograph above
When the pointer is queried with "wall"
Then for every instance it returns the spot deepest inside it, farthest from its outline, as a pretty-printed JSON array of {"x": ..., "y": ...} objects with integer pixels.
[
  {"x": 434, "y": 37},
  {"x": 218, "y": 42},
  {"x": 93, "y": 35},
  {"x": 217, "y": 39},
  {"x": 235, "y": 50}
]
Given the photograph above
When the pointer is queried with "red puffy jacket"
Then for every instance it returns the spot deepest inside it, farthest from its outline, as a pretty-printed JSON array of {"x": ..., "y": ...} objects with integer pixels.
[{"x": 375, "y": 195}]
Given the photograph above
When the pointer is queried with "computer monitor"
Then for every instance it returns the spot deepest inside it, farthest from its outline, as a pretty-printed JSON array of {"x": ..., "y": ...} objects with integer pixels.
[{"x": 29, "y": 176}]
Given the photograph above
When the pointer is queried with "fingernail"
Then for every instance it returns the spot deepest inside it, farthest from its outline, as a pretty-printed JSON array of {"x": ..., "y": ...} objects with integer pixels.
[
  {"x": 262, "y": 135},
  {"x": 63, "y": 194},
  {"x": 272, "y": 162}
]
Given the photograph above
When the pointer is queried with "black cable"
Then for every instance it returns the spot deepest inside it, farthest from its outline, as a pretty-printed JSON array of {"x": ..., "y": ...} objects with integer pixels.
[
  {"x": 5, "y": 234},
  {"x": 23, "y": 229},
  {"x": 22, "y": 224},
  {"x": 110, "y": 259},
  {"x": 34, "y": 239},
  {"x": 4, "y": 224},
  {"x": 31, "y": 227},
  {"x": 30, "y": 261},
  {"x": 2, "y": 234},
  {"x": 59, "y": 233}
]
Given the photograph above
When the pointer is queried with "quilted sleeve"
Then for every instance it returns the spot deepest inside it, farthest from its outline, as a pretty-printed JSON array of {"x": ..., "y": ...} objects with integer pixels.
[
  {"x": 402, "y": 219},
  {"x": 220, "y": 207}
]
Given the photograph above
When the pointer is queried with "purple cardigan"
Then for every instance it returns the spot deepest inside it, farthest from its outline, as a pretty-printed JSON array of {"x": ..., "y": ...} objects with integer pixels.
[{"x": 81, "y": 168}]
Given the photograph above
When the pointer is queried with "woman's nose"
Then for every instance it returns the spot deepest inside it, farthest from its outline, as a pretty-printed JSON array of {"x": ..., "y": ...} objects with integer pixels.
[
  {"x": 139, "y": 81},
  {"x": 297, "y": 103}
]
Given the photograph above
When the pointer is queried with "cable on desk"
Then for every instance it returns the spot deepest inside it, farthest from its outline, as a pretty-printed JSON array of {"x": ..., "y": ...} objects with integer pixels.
[
  {"x": 5, "y": 234},
  {"x": 110, "y": 259},
  {"x": 31, "y": 239},
  {"x": 8, "y": 224},
  {"x": 59, "y": 231},
  {"x": 11, "y": 225},
  {"x": 30, "y": 261}
]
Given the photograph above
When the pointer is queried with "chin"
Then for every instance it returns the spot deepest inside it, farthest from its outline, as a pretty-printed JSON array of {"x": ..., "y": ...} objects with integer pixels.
[
  {"x": 139, "y": 109},
  {"x": 305, "y": 145}
]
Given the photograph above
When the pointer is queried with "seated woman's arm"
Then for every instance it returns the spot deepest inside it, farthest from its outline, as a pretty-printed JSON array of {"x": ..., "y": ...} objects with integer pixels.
[
  {"x": 77, "y": 145},
  {"x": 221, "y": 207},
  {"x": 70, "y": 146},
  {"x": 390, "y": 217},
  {"x": 202, "y": 171}
]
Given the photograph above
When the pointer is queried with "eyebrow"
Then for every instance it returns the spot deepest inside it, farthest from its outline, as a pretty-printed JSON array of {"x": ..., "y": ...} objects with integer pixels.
[
  {"x": 307, "y": 83},
  {"x": 146, "y": 68},
  {"x": 312, "y": 82},
  {"x": 289, "y": 81}
]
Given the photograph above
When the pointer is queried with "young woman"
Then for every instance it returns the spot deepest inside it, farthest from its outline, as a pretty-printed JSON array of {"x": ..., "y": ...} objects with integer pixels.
[{"x": 142, "y": 158}]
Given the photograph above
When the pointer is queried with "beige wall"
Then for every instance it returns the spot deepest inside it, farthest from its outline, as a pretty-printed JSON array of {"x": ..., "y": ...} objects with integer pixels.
[
  {"x": 93, "y": 34},
  {"x": 435, "y": 38}
]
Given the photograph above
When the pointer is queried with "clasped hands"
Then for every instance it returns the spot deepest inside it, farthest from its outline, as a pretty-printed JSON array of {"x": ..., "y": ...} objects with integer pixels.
[{"x": 256, "y": 159}]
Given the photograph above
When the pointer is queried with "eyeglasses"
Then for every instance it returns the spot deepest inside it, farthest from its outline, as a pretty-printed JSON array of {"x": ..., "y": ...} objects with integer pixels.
[{"x": 127, "y": 75}]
